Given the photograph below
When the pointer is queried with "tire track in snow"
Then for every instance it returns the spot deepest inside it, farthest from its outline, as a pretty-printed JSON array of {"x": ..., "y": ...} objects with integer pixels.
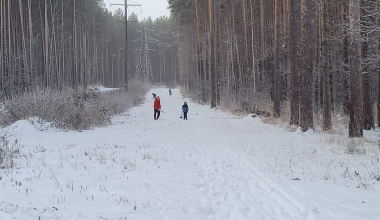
[
  {"x": 237, "y": 192},
  {"x": 309, "y": 212}
]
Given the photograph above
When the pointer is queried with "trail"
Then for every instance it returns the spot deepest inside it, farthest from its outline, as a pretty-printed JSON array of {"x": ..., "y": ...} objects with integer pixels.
[{"x": 208, "y": 167}]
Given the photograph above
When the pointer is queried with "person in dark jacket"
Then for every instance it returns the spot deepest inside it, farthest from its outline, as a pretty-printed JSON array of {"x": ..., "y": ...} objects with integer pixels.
[
  {"x": 185, "y": 110},
  {"x": 170, "y": 92},
  {"x": 157, "y": 108}
]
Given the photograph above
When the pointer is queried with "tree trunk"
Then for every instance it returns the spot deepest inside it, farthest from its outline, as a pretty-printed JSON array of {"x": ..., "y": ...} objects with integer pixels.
[
  {"x": 47, "y": 55},
  {"x": 75, "y": 56},
  {"x": 378, "y": 75},
  {"x": 306, "y": 102},
  {"x": 356, "y": 102},
  {"x": 2, "y": 46},
  {"x": 213, "y": 57},
  {"x": 277, "y": 60},
  {"x": 368, "y": 121},
  {"x": 294, "y": 53},
  {"x": 325, "y": 63}
]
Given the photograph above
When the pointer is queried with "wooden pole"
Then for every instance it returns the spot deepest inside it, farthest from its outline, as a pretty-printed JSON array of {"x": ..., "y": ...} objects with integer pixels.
[{"x": 126, "y": 47}]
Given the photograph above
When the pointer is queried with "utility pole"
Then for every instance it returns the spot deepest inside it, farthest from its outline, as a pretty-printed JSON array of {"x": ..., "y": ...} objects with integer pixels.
[
  {"x": 164, "y": 67},
  {"x": 126, "y": 42},
  {"x": 160, "y": 55},
  {"x": 213, "y": 52},
  {"x": 126, "y": 47}
]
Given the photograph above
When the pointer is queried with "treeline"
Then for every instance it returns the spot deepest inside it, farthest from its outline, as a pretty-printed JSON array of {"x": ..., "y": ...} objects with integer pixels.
[
  {"x": 308, "y": 58},
  {"x": 53, "y": 44},
  {"x": 60, "y": 44}
]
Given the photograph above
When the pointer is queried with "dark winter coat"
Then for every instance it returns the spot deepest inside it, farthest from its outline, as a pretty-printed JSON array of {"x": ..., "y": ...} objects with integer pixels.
[{"x": 185, "y": 108}]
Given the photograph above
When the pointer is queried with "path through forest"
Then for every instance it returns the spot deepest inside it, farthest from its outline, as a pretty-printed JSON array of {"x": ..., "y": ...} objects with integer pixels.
[{"x": 213, "y": 166}]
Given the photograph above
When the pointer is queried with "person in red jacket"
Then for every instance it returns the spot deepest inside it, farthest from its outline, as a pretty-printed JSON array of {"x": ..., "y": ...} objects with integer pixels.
[{"x": 157, "y": 107}]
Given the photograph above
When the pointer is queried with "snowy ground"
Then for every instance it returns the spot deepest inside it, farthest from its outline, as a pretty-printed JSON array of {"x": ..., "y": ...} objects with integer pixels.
[
  {"x": 103, "y": 89},
  {"x": 213, "y": 166}
]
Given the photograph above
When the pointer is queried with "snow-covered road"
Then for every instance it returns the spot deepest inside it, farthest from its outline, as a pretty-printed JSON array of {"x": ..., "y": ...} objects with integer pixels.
[{"x": 212, "y": 166}]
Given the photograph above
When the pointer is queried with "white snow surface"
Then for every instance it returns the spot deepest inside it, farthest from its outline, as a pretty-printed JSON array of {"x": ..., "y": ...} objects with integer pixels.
[
  {"x": 213, "y": 166},
  {"x": 103, "y": 89}
]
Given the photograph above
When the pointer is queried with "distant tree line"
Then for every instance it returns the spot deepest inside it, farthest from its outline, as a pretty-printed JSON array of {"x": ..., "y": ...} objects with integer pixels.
[
  {"x": 308, "y": 58},
  {"x": 59, "y": 44}
]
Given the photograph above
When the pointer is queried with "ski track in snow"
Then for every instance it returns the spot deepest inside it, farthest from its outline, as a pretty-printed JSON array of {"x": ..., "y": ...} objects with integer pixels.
[{"x": 213, "y": 166}]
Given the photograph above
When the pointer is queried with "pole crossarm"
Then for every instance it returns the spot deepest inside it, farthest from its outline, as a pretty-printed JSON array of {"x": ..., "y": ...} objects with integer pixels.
[{"x": 127, "y": 5}]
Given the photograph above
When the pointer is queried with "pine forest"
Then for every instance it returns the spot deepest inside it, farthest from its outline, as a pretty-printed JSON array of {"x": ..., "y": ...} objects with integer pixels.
[{"x": 304, "y": 60}]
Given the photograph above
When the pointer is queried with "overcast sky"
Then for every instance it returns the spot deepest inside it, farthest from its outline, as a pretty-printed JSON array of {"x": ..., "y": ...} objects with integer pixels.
[{"x": 153, "y": 8}]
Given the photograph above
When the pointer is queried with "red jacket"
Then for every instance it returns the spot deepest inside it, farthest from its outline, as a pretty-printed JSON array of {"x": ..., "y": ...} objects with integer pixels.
[{"x": 157, "y": 104}]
